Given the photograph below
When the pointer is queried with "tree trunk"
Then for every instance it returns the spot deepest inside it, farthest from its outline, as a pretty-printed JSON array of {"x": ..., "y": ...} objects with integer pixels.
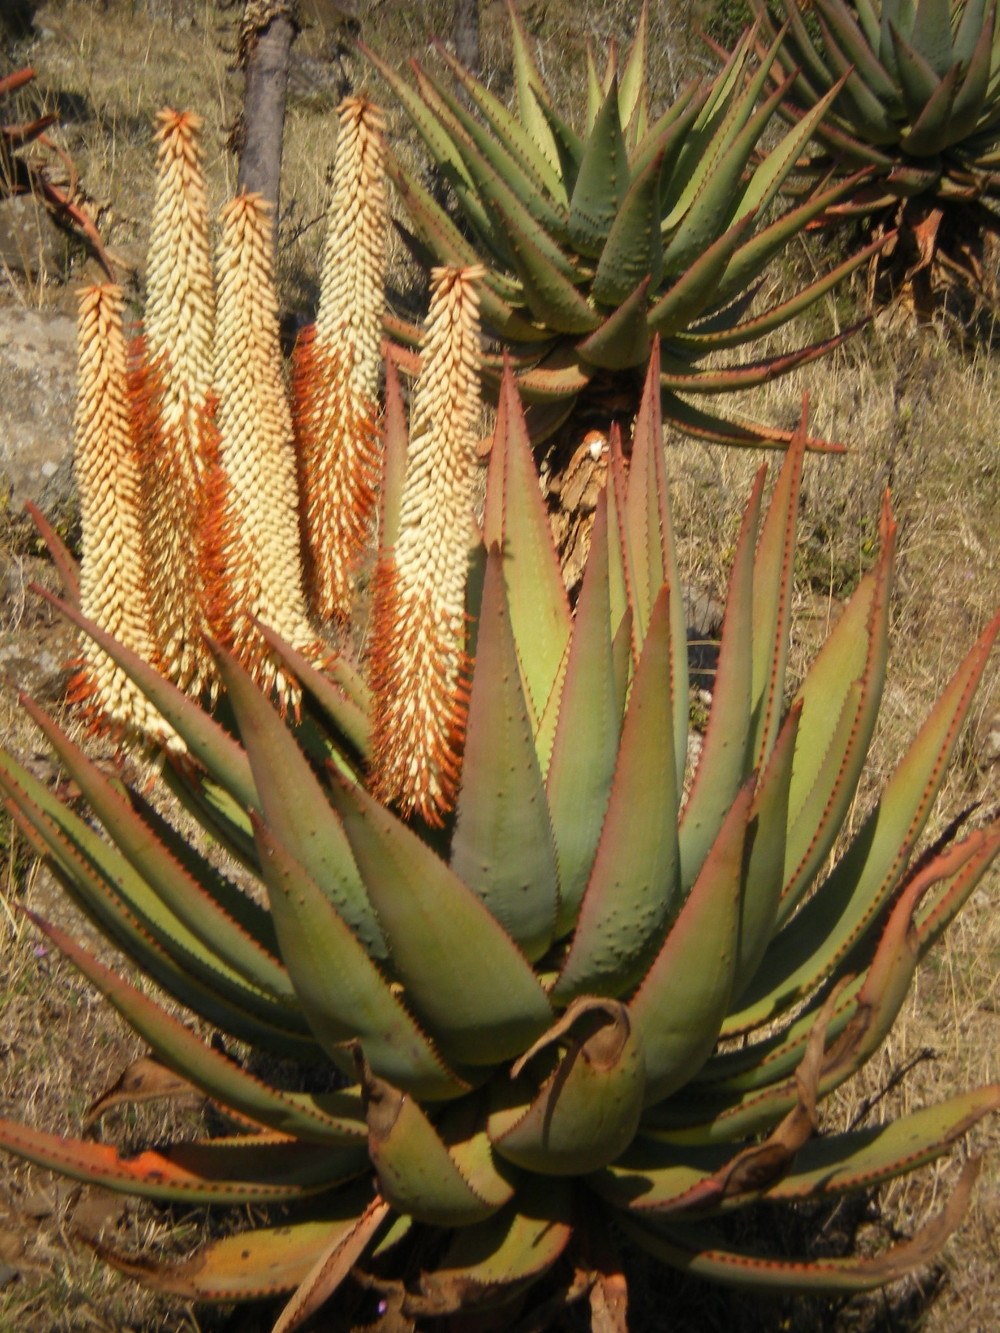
[
  {"x": 467, "y": 46},
  {"x": 267, "y": 30}
]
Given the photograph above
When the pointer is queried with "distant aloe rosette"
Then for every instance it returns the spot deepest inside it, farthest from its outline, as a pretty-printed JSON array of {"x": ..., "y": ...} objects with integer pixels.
[
  {"x": 533, "y": 1007},
  {"x": 598, "y": 240},
  {"x": 918, "y": 106}
]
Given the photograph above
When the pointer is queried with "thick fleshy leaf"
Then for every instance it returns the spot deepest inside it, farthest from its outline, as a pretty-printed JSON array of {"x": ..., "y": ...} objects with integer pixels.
[
  {"x": 634, "y": 886},
  {"x": 485, "y": 153},
  {"x": 682, "y": 1248},
  {"x": 335, "y": 1118},
  {"x": 207, "y": 741},
  {"x": 296, "y": 807},
  {"x": 489, "y": 1264},
  {"x": 337, "y": 690},
  {"x": 416, "y": 1173},
  {"x": 462, "y": 972},
  {"x": 120, "y": 901},
  {"x": 680, "y": 1005},
  {"x": 502, "y": 847},
  {"x": 179, "y": 890},
  {"x": 622, "y": 341},
  {"x": 772, "y": 596},
  {"x": 585, "y": 748},
  {"x": 724, "y": 762},
  {"x": 827, "y": 925},
  {"x": 507, "y": 127},
  {"x": 255, "y": 1169},
  {"x": 633, "y": 250},
  {"x": 602, "y": 181},
  {"x": 587, "y": 1110},
  {"x": 532, "y": 95},
  {"x": 342, "y": 992},
  {"x": 516, "y": 521},
  {"x": 250, "y": 1265}
]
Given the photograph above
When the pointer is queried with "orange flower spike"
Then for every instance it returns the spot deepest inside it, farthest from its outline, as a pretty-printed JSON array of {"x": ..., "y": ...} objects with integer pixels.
[
  {"x": 418, "y": 664},
  {"x": 260, "y": 555},
  {"x": 338, "y": 366},
  {"x": 113, "y": 583},
  {"x": 175, "y": 383}
]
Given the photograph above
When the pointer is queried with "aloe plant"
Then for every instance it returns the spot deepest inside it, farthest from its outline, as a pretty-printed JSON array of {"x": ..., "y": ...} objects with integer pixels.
[
  {"x": 600, "y": 236},
  {"x": 917, "y": 101},
  {"x": 524, "y": 1005}
]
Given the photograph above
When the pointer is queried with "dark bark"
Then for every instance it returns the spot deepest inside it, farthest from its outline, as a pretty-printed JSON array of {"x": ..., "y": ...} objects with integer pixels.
[
  {"x": 466, "y": 29},
  {"x": 265, "y": 45}
]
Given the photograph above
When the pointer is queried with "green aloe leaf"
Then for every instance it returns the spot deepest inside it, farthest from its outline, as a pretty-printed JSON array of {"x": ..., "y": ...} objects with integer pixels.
[
  {"x": 971, "y": 97},
  {"x": 548, "y": 278},
  {"x": 255, "y": 1169},
  {"x": 250, "y": 1265},
  {"x": 462, "y": 972},
  {"x": 857, "y": 46},
  {"x": 508, "y": 129},
  {"x": 488, "y": 1264},
  {"x": 633, "y": 90},
  {"x": 181, "y": 893},
  {"x": 110, "y": 891},
  {"x": 502, "y": 847},
  {"x": 331, "y": 1118},
  {"x": 208, "y": 742},
  {"x": 622, "y": 341},
  {"x": 931, "y": 35},
  {"x": 772, "y": 598},
  {"x": 588, "y": 1108},
  {"x": 863, "y": 1158},
  {"x": 633, "y": 250},
  {"x": 680, "y": 1005},
  {"x": 296, "y": 807},
  {"x": 416, "y": 1173},
  {"x": 686, "y": 1248},
  {"x": 532, "y": 95},
  {"x": 602, "y": 181},
  {"x": 485, "y": 154},
  {"x": 341, "y": 990},
  {"x": 826, "y": 926},
  {"x": 724, "y": 763},
  {"x": 338, "y": 691},
  {"x": 585, "y": 748},
  {"x": 701, "y": 340},
  {"x": 649, "y": 546},
  {"x": 932, "y": 132},
  {"x": 634, "y": 885},
  {"x": 516, "y": 521},
  {"x": 694, "y": 289},
  {"x": 918, "y": 80}
]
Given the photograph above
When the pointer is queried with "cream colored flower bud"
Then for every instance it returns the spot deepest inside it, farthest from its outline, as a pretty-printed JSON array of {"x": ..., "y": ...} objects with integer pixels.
[
  {"x": 176, "y": 384},
  {"x": 260, "y": 565},
  {"x": 418, "y": 663},
  {"x": 113, "y": 583},
  {"x": 338, "y": 366}
]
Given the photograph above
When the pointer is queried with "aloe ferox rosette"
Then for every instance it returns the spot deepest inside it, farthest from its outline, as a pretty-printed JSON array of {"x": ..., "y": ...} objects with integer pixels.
[
  {"x": 525, "y": 1005},
  {"x": 600, "y": 238},
  {"x": 917, "y": 102}
]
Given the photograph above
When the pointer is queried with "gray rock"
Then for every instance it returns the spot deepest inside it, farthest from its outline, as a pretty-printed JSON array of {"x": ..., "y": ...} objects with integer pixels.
[
  {"x": 37, "y": 400},
  {"x": 30, "y": 242}
]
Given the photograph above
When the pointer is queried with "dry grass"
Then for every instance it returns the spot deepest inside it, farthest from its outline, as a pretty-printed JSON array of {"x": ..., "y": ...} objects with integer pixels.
[{"x": 918, "y": 415}]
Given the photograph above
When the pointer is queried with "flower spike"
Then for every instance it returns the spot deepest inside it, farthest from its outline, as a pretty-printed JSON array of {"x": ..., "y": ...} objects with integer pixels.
[
  {"x": 418, "y": 664},
  {"x": 173, "y": 391},
  {"x": 113, "y": 585},
  {"x": 256, "y": 531},
  {"x": 338, "y": 366}
]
